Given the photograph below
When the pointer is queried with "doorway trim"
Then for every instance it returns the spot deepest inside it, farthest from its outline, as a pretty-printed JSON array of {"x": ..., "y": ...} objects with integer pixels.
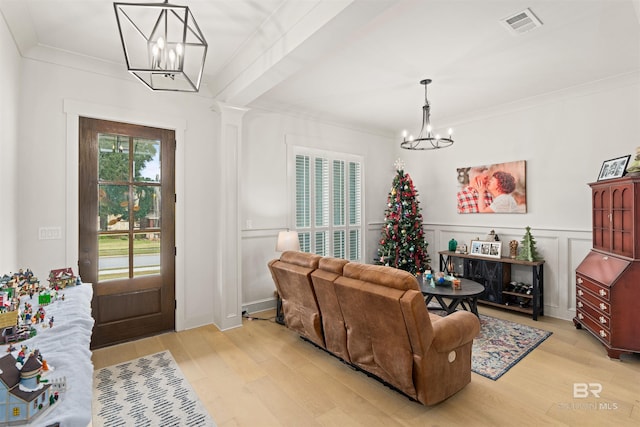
[{"x": 73, "y": 110}]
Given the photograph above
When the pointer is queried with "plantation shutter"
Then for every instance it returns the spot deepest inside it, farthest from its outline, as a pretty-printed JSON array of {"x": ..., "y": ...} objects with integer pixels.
[
  {"x": 303, "y": 201},
  {"x": 328, "y": 200},
  {"x": 338, "y": 192},
  {"x": 354, "y": 201}
]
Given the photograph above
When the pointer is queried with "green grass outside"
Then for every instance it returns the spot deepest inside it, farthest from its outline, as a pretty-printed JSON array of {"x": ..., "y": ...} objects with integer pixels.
[{"x": 117, "y": 246}]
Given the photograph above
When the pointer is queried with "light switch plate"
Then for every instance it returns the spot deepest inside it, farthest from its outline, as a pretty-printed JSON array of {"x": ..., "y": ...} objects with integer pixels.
[{"x": 50, "y": 233}]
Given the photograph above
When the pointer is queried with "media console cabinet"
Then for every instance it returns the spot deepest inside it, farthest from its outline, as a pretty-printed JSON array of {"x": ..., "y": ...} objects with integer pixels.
[{"x": 495, "y": 275}]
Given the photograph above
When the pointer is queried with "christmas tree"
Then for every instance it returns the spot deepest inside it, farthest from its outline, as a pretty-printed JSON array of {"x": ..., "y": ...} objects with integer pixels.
[
  {"x": 528, "y": 251},
  {"x": 402, "y": 244}
]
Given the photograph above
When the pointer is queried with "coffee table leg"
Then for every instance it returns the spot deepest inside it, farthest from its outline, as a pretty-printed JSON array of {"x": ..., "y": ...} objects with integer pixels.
[{"x": 473, "y": 305}]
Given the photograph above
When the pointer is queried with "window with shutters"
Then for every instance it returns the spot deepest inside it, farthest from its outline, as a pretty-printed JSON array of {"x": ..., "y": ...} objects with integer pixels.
[{"x": 328, "y": 203}]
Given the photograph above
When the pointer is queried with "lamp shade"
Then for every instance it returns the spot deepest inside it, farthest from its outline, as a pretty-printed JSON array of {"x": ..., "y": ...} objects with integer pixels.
[
  {"x": 288, "y": 241},
  {"x": 163, "y": 45}
]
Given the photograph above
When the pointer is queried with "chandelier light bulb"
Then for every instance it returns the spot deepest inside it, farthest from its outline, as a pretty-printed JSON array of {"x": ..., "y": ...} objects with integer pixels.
[
  {"x": 438, "y": 136},
  {"x": 160, "y": 43},
  {"x": 155, "y": 52},
  {"x": 179, "y": 49},
  {"x": 404, "y": 134},
  {"x": 410, "y": 137},
  {"x": 450, "y": 132},
  {"x": 172, "y": 59},
  {"x": 428, "y": 128}
]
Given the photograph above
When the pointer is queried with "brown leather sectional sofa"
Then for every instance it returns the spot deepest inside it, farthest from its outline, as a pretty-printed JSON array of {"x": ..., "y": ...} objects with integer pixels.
[{"x": 375, "y": 319}]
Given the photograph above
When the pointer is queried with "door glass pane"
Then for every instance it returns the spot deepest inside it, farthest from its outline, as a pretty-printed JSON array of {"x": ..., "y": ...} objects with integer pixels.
[
  {"x": 113, "y": 207},
  {"x": 113, "y": 256},
  {"x": 146, "y": 207},
  {"x": 146, "y": 160},
  {"x": 146, "y": 254},
  {"x": 113, "y": 158}
]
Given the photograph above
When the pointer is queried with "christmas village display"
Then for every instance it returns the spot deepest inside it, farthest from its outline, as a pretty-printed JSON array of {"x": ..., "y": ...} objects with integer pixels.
[{"x": 25, "y": 389}]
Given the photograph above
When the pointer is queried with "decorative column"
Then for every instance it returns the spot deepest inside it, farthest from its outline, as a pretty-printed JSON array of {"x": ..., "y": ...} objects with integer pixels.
[{"x": 228, "y": 304}]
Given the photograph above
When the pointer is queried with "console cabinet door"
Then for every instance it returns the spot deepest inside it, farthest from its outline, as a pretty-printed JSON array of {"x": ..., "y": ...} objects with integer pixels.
[
  {"x": 622, "y": 220},
  {"x": 614, "y": 218},
  {"x": 601, "y": 217},
  {"x": 492, "y": 274}
]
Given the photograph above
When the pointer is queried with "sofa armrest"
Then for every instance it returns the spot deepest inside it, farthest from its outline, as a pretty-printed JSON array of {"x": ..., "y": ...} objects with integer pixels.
[{"x": 454, "y": 330}]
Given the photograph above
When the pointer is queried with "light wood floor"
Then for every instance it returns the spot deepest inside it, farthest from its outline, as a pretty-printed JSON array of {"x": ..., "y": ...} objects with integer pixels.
[{"x": 264, "y": 375}]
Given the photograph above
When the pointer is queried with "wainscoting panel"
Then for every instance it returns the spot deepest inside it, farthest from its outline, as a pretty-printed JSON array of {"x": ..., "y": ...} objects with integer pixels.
[{"x": 562, "y": 251}]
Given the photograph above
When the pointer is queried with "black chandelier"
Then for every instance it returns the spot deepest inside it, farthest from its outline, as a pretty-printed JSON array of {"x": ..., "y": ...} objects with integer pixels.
[
  {"x": 426, "y": 140},
  {"x": 163, "y": 45}
]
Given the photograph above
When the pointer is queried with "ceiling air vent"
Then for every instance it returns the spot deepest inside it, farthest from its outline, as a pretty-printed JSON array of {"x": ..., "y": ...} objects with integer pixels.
[{"x": 522, "y": 22}]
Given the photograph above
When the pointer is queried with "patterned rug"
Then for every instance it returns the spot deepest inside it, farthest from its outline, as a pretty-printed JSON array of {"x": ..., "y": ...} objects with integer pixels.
[
  {"x": 501, "y": 344},
  {"x": 149, "y": 391}
]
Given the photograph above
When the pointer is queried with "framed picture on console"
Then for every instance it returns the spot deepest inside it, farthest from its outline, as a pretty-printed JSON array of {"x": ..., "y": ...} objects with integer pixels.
[
  {"x": 486, "y": 249},
  {"x": 613, "y": 168}
]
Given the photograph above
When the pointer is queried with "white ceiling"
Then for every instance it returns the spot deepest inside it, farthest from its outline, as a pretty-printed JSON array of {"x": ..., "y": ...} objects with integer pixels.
[{"x": 360, "y": 62}]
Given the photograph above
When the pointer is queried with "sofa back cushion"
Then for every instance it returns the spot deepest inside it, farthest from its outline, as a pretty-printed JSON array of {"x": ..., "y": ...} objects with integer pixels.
[
  {"x": 292, "y": 277},
  {"x": 377, "y": 338},
  {"x": 335, "y": 332},
  {"x": 381, "y": 275}
]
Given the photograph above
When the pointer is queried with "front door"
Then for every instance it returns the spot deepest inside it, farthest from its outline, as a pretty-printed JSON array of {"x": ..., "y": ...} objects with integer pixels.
[{"x": 127, "y": 230}]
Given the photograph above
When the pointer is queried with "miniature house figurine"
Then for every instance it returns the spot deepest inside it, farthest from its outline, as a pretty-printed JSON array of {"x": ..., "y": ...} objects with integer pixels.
[
  {"x": 61, "y": 278},
  {"x": 21, "y": 392}
]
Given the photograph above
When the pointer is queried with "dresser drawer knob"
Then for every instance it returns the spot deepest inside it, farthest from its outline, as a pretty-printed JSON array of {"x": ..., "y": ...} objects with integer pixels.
[
  {"x": 603, "y": 334},
  {"x": 603, "y": 293},
  {"x": 603, "y": 306},
  {"x": 580, "y": 292},
  {"x": 580, "y": 316},
  {"x": 580, "y": 304},
  {"x": 579, "y": 280},
  {"x": 603, "y": 320}
]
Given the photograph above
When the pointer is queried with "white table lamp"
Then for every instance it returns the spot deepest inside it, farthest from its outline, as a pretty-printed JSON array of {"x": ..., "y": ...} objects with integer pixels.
[{"x": 288, "y": 241}]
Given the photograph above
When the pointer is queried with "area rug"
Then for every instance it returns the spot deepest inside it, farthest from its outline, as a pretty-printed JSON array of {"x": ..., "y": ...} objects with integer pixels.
[
  {"x": 149, "y": 391},
  {"x": 501, "y": 344}
]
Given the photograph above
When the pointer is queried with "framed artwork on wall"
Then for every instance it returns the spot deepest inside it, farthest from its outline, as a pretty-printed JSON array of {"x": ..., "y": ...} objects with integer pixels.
[
  {"x": 492, "y": 188},
  {"x": 614, "y": 168},
  {"x": 486, "y": 249}
]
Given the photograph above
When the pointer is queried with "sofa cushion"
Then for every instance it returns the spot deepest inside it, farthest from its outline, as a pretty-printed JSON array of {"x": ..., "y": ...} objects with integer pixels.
[
  {"x": 292, "y": 277},
  {"x": 377, "y": 338},
  {"x": 335, "y": 332},
  {"x": 381, "y": 275}
]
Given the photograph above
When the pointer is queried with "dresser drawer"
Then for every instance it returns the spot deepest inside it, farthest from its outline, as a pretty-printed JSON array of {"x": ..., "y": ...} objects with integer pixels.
[
  {"x": 603, "y": 307},
  {"x": 597, "y": 329},
  {"x": 584, "y": 295},
  {"x": 601, "y": 291},
  {"x": 586, "y": 308}
]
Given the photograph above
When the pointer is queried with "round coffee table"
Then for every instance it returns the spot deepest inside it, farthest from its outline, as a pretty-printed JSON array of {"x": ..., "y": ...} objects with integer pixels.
[{"x": 467, "y": 295}]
